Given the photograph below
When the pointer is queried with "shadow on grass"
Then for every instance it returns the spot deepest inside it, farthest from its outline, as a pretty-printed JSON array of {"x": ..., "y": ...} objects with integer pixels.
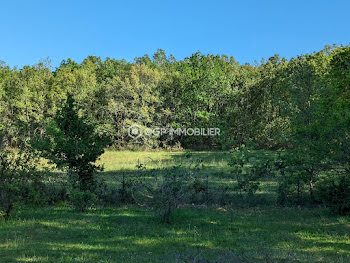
[
  {"x": 130, "y": 234},
  {"x": 211, "y": 166}
]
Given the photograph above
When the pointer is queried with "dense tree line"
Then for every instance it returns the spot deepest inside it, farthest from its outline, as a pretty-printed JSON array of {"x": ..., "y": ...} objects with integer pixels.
[
  {"x": 300, "y": 107},
  {"x": 272, "y": 103}
]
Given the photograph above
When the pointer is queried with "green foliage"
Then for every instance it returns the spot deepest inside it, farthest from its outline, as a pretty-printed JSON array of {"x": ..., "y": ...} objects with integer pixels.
[
  {"x": 164, "y": 190},
  {"x": 163, "y": 196},
  {"x": 336, "y": 108},
  {"x": 291, "y": 178},
  {"x": 70, "y": 142},
  {"x": 18, "y": 173},
  {"x": 268, "y": 103},
  {"x": 125, "y": 192},
  {"x": 334, "y": 191},
  {"x": 299, "y": 105},
  {"x": 80, "y": 199},
  {"x": 305, "y": 230},
  {"x": 249, "y": 169}
]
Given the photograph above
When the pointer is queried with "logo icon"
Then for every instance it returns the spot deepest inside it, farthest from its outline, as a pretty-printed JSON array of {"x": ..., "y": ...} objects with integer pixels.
[{"x": 135, "y": 131}]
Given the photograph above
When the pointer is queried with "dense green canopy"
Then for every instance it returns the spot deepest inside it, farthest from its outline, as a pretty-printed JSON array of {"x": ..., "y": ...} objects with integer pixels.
[{"x": 273, "y": 103}]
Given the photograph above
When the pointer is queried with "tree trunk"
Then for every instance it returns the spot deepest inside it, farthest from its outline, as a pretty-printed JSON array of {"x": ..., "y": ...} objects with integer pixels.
[{"x": 311, "y": 189}]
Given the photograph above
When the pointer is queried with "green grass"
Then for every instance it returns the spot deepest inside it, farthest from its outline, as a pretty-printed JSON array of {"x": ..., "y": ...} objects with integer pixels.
[
  {"x": 215, "y": 166},
  {"x": 132, "y": 234},
  {"x": 116, "y": 163},
  {"x": 126, "y": 161}
]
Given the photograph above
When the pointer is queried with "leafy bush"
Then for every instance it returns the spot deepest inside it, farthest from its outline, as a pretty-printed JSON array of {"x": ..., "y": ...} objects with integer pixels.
[
  {"x": 81, "y": 199},
  {"x": 108, "y": 195},
  {"x": 289, "y": 178},
  {"x": 54, "y": 193},
  {"x": 296, "y": 177},
  {"x": 17, "y": 174},
  {"x": 125, "y": 192},
  {"x": 334, "y": 191},
  {"x": 162, "y": 196},
  {"x": 249, "y": 168}
]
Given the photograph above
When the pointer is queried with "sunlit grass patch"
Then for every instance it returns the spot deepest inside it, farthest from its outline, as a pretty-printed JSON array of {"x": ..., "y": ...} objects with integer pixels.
[
  {"x": 258, "y": 233},
  {"x": 127, "y": 234}
]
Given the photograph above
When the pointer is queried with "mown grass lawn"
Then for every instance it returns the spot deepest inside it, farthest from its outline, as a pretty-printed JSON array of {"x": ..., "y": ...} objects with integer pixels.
[{"x": 132, "y": 234}]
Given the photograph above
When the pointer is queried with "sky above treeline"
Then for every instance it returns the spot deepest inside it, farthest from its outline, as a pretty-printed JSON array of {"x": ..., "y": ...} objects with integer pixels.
[{"x": 247, "y": 30}]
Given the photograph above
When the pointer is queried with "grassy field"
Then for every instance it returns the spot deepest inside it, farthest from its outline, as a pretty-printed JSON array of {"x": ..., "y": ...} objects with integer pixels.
[{"x": 213, "y": 234}]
